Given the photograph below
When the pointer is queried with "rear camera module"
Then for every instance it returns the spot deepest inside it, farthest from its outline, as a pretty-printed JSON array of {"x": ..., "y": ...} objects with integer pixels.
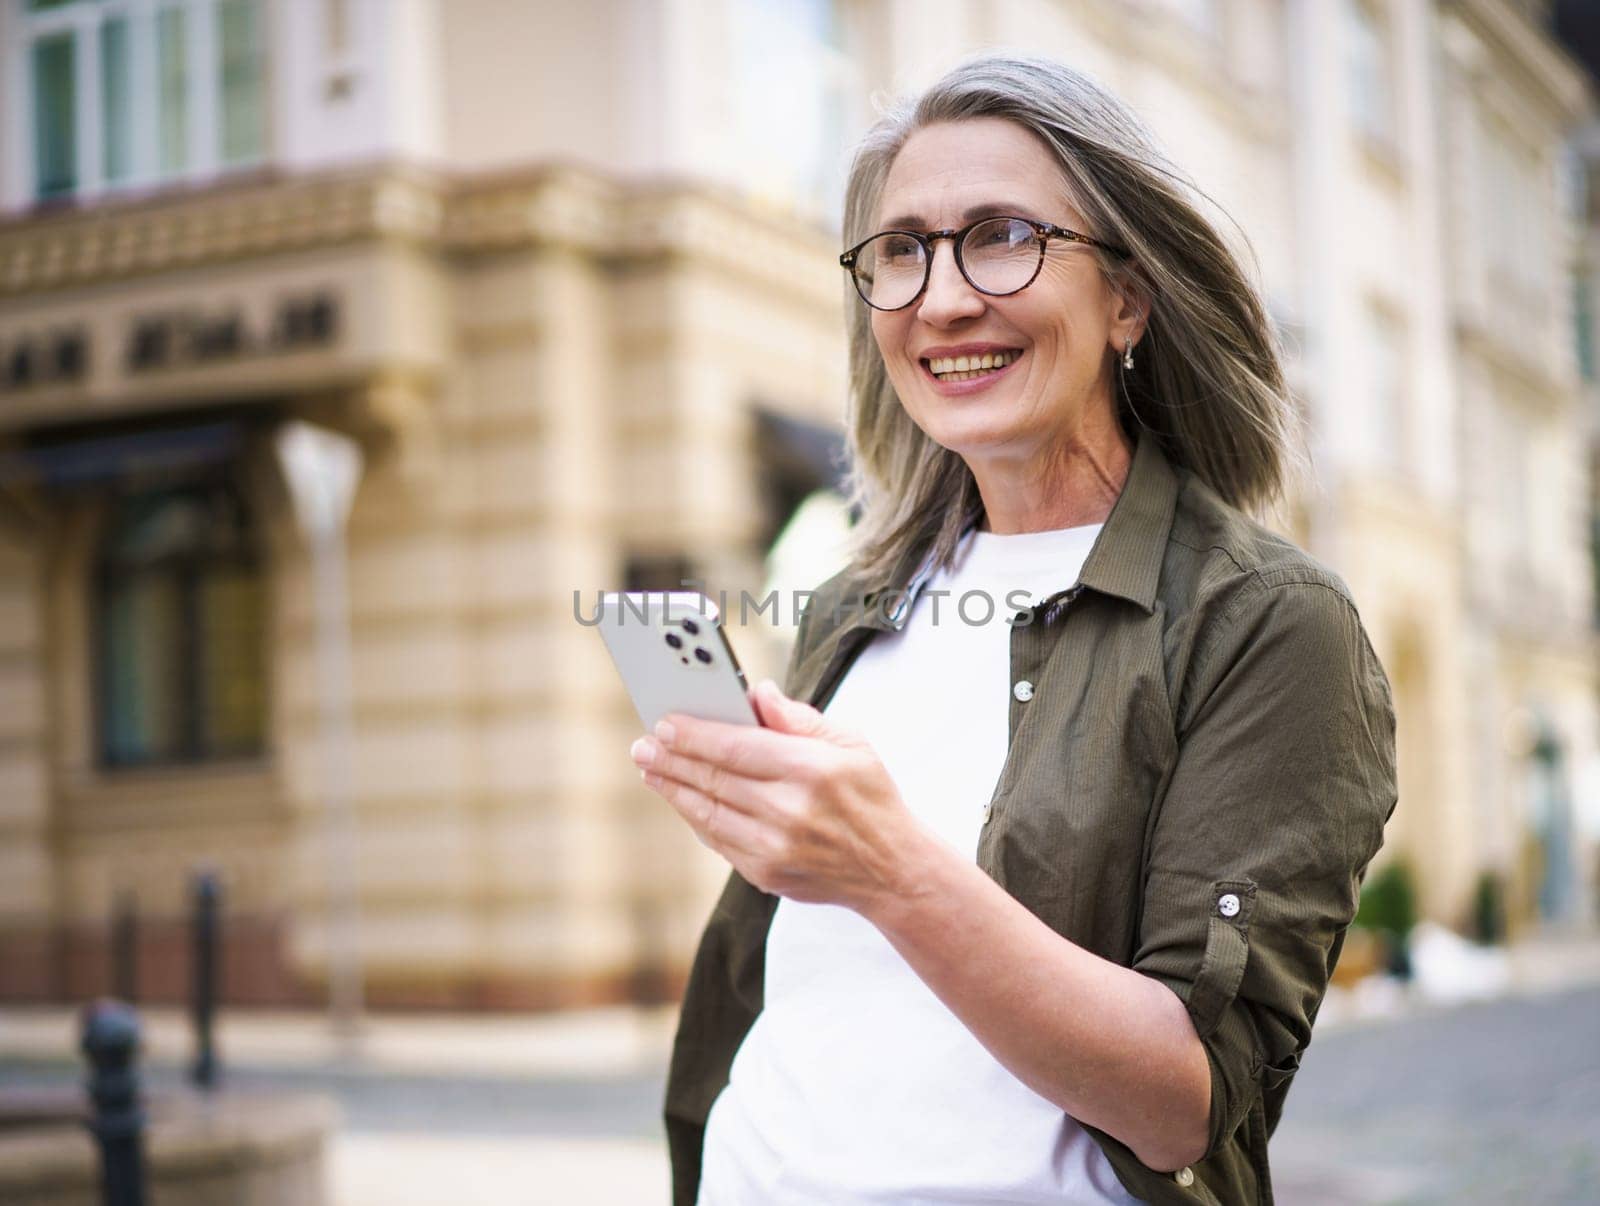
[
  {"x": 703, "y": 654},
  {"x": 674, "y": 640},
  {"x": 691, "y": 628}
]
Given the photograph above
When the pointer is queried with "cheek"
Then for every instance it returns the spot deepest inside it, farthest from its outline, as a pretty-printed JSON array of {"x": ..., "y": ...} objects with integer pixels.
[
  {"x": 889, "y": 334},
  {"x": 891, "y": 340},
  {"x": 1063, "y": 323},
  {"x": 1071, "y": 290}
]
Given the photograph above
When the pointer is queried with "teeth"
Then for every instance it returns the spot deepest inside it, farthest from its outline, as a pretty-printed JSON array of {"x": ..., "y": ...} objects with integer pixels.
[{"x": 962, "y": 368}]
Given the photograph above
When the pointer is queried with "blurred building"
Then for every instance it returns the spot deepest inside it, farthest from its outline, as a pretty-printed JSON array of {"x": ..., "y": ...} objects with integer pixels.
[
  {"x": 495, "y": 241},
  {"x": 567, "y": 272}
]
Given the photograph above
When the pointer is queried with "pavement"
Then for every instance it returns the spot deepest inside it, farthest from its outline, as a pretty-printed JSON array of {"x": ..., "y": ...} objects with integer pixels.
[
  {"x": 471, "y": 1109},
  {"x": 1484, "y": 1104},
  {"x": 496, "y": 1110}
]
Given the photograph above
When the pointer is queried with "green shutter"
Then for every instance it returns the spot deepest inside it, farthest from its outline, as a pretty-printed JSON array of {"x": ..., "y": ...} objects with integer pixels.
[
  {"x": 116, "y": 101},
  {"x": 55, "y": 115},
  {"x": 172, "y": 76},
  {"x": 243, "y": 110}
]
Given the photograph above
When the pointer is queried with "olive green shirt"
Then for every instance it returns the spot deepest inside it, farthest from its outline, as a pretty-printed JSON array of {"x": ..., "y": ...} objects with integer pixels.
[{"x": 1193, "y": 789}]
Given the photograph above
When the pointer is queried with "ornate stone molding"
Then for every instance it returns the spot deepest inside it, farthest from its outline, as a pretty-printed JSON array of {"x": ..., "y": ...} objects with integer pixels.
[
  {"x": 231, "y": 222},
  {"x": 558, "y": 206}
]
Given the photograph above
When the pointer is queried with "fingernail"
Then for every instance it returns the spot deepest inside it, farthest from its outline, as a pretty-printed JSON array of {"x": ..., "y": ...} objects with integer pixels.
[
  {"x": 643, "y": 751},
  {"x": 665, "y": 733}
]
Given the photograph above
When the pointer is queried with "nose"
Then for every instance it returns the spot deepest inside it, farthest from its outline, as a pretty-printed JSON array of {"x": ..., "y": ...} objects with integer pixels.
[{"x": 949, "y": 297}]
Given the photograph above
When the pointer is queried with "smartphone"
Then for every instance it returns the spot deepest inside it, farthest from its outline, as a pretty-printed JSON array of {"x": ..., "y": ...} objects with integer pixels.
[{"x": 673, "y": 656}]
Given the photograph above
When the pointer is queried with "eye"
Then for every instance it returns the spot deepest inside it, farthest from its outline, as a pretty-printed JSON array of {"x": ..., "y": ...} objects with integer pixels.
[{"x": 899, "y": 248}]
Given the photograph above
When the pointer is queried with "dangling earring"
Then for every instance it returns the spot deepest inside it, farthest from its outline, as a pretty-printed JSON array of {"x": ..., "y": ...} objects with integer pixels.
[{"x": 1127, "y": 354}]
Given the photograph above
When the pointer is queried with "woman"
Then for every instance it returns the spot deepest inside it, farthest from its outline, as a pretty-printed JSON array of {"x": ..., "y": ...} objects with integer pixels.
[{"x": 1042, "y": 907}]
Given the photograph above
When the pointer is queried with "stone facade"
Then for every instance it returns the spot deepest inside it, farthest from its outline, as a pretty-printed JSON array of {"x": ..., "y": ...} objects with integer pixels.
[
  {"x": 550, "y": 373},
  {"x": 553, "y": 338}
]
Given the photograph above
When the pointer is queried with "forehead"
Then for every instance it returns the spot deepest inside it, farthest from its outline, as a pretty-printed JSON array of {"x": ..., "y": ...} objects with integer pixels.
[{"x": 945, "y": 170}]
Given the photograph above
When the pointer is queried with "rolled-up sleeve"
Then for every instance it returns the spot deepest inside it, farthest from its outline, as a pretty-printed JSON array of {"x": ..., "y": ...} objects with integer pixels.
[{"x": 1285, "y": 775}]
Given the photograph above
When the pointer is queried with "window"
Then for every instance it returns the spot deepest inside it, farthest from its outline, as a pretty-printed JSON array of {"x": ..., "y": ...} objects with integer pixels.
[
  {"x": 785, "y": 131},
  {"x": 1369, "y": 73},
  {"x": 657, "y": 571},
  {"x": 1202, "y": 16},
  {"x": 1583, "y": 318},
  {"x": 127, "y": 93},
  {"x": 1519, "y": 245},
  {"x": 55, "y": 122},
  {"x": 179, "y": 630},
  {"x": 241, "y": 119},
  {"x": 1387, "y": 394}
]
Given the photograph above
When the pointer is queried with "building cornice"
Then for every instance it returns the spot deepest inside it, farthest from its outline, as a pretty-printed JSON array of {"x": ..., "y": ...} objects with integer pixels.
[
  {"x": 1514, "y": 363},
  {"x": 1542, "y": 67},
  {"x": 1158, "y": 37},
  {"x": 547, "y": 206}
]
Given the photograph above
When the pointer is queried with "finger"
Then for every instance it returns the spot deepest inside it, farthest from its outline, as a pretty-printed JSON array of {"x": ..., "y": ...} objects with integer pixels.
[
  {"x": 724, "y": 829},
  {"x": 755, "y": 753},
  {"x": 789, "y": 716},
  {"x": 739, "y": 791},
  {"x": 784, "y": 714}
]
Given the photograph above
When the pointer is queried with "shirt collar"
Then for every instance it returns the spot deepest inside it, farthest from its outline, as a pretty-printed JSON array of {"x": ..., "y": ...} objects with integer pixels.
[{"x": 1125, "y": 560}]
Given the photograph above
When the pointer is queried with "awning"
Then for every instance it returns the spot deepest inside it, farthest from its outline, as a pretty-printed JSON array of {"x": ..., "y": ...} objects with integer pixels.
[
  {"x": 161, "y": 452},
  {"x": 810, "y": 452}
]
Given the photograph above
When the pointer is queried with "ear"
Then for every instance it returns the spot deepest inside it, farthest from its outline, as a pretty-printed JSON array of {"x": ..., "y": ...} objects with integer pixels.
[{"x": 1131, "y": 297}]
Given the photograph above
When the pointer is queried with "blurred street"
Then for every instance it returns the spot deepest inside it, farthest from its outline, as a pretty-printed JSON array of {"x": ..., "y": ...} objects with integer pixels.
[
  {"x": 475, "y": 1111},
  {"x": 1404, "y": 1102},
  {"x": 1485, "y": 1103}
]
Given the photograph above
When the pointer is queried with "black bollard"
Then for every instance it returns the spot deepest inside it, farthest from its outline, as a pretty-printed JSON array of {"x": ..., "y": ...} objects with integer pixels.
[
  {"x": 203, "y": 986},
  {"x": 111, "y": 1042},
  {"x": 125, "y": 948}
]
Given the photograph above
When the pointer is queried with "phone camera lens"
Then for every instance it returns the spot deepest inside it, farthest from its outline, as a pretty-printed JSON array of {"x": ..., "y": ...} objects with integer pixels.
[
  {"x": 703, "y": 654},
  {"x": 691, "y": 628},
  {"x": 674, "y": 640}
]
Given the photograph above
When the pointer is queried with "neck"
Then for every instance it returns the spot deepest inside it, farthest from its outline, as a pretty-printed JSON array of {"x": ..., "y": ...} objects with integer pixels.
[{"x": 1072, "y": 482}]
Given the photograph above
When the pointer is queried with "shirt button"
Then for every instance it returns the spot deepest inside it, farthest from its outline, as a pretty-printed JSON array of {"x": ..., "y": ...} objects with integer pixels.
[
  {"x": 1184, "y": 1177},
  {"x": 1228, "y": 905},
  {"x": 1023, "y": 690}
]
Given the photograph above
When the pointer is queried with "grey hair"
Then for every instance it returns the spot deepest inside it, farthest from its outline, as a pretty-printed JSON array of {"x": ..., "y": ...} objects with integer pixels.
[{"x": 1207, "y": 382}]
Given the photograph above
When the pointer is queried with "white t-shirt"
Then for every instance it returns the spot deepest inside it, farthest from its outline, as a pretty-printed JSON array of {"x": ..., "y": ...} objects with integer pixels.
[{"x": 856, "y": 1084}]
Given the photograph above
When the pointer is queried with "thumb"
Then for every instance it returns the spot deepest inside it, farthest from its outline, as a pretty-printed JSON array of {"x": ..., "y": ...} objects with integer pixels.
[{"x": 777, "y": 711}]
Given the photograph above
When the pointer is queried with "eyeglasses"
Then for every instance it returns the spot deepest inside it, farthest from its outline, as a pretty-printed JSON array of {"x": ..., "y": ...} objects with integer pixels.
[{"x": 997, "y": 256}]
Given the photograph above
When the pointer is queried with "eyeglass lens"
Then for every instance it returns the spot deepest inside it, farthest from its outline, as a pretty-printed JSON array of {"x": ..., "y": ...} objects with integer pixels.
[{"x": 998, "y": 256}]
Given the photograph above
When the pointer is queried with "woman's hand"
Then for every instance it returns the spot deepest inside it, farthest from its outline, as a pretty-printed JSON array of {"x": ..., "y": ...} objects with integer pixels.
[
  {"x": 800, "y": 808},
  {"x": 805, "y": 810}
]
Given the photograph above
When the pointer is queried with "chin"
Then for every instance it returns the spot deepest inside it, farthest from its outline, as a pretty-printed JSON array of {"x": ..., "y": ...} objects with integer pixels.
[{"x": 967, "y": 440}]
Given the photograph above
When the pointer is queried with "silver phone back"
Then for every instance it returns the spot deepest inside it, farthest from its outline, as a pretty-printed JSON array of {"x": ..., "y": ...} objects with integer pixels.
[{"x": 699, "y": 676}]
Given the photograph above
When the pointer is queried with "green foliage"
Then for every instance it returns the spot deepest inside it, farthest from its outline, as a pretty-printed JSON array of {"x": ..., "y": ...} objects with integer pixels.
[
  {"x": 1389, "y": 900},
  {"x": 1489, "y": 908}
]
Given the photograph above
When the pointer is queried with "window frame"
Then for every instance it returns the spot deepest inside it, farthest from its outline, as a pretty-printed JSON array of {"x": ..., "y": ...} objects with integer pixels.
[
  {"x": 1370, "y": 73},
  {"x": 186, "y": 660},
  {"x": 202, "y": 97}
]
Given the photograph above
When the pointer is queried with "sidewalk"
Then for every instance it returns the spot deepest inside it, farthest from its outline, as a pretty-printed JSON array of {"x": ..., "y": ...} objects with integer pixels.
[
  {"x": 415, "y": 1167},
  {"x": 599, "y": 1042},
  {"x": 421, "y": 1168},
  {"x": 619, "y": 1041},
  {"x": 1449, "y": 971}
]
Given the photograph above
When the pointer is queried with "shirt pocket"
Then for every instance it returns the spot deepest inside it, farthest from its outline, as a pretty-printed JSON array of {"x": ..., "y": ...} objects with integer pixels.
[{"x": 1227, "y": 951}]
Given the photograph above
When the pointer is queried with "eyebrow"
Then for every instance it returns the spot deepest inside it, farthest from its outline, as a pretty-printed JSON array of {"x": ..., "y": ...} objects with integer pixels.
[{"x": 1010, "y": 209}]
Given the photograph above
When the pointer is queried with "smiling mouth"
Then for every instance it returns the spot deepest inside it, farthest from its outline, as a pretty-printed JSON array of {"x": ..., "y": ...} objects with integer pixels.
[{"x": 965, "y": 368}]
